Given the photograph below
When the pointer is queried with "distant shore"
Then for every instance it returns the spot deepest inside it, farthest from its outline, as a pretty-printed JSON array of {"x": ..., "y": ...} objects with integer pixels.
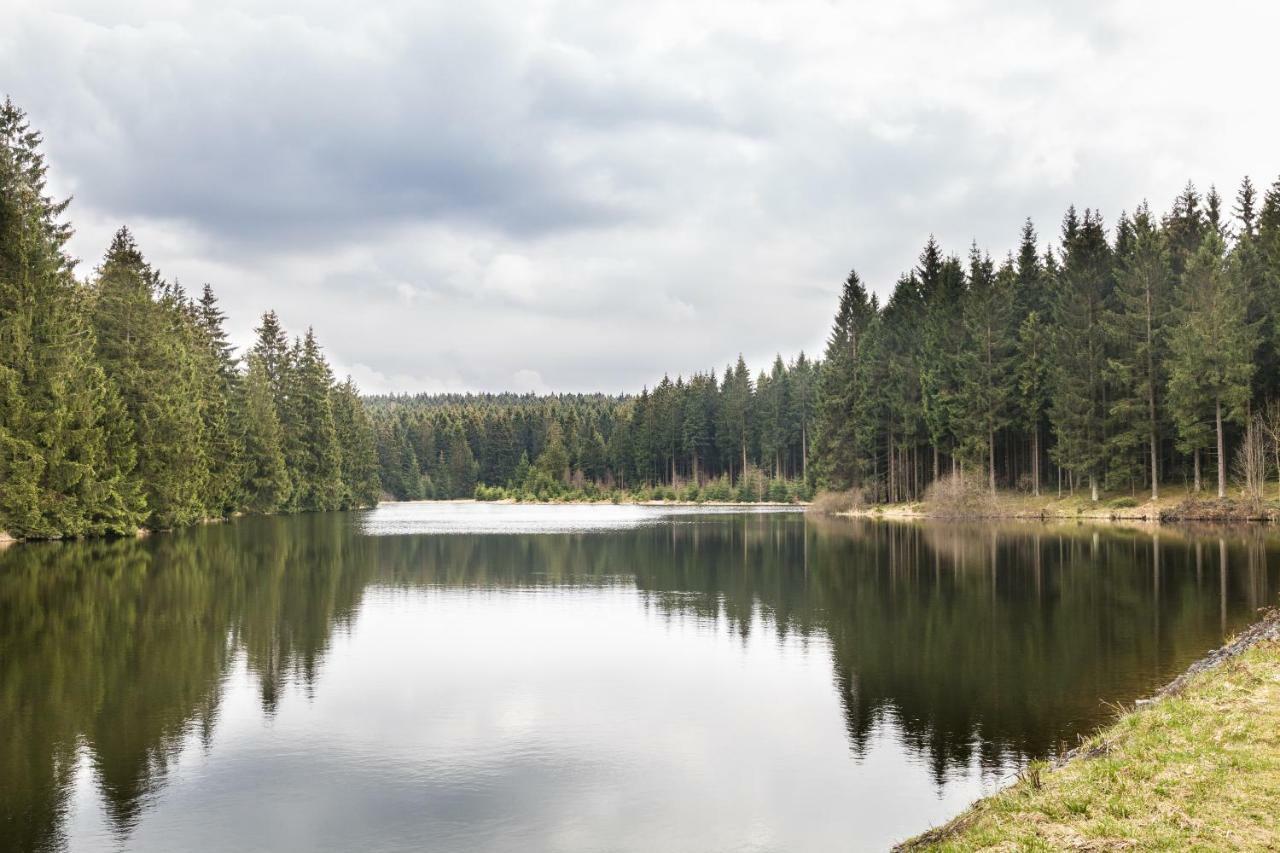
[
  {"x": 511, "y": 502},
  {"x": 1195, "y": 766},
  {"x": 1174, "y": 505}
]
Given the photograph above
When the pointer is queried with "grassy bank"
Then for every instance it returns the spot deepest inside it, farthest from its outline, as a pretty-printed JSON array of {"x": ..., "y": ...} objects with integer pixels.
[
  {"x": 1197, "y": 767},
  {"x": 1174, "y": 504}
]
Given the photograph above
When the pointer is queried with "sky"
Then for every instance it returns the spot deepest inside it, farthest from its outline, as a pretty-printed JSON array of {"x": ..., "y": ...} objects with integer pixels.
[{"x": 559, "y": 195}]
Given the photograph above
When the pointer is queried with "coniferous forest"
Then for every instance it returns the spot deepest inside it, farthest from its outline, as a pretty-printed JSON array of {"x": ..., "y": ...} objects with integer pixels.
[
  {"x": 1119, "y": 356},
  {"x": 122, "y": 404},
  {"x": 1114, "y": 359}
]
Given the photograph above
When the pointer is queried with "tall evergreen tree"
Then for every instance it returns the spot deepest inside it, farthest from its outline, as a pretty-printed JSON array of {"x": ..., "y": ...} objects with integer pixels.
[
  {"x": 1136, "y": 329},
  {"x": 66, "y": 454},
  {"x": 1211, "y": 350},
  {"x": 264, "y": 477},
  {"x": 986, "y": 365},
  {"x": 145, "y": 344},
  {"x": 1078, "y": 405},
  {"x": 357, "y": 448},
  {"x": 315, "y": 466},
  {"x": 1034, "y": 380}
]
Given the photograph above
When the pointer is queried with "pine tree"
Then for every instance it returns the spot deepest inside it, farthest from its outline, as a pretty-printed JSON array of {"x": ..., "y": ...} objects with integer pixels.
[
  {"x": 941, "y": 346},
  {"x": 223, "y": 430},
  {"x": 145, "y": 345},
  {"x": 1078, "y": 404},
  {"x": 1034, "y": 376},
  {"x": 59, "y": 417},
  {"x": 697, "y": 421},
  {"x": 357, "y": 448},
  {"x": 315, "y": 464},
  {"x": 1211, "y": 349},
  {"x": 554, "y": 459},
  {"x": 265, "y": 479},
  {"x": 986, "y": 364},
  {"x": 735, "y": 426},
  {"x": 804, "y": 391},
  {"x": 846, "y": 419},
  {"x": 1136, "y": 329}
]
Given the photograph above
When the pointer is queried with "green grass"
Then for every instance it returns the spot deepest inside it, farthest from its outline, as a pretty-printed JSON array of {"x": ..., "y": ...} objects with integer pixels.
[{"x": 1195, "y": 771}]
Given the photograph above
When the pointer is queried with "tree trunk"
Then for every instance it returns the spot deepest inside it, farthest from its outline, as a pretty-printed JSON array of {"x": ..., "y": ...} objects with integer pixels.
[
  {"x": 1035, "y": 459},
  {"x": 1093, "y": 487},
  {"x": 804, "y": 452},
  {"x": 893, "y": 476},
  {"x": 1155, "y": 456},
  {"x": 1196, "y": 464},
  {"x": 1222, "y": 452},
  {"x": 1151, "y": 395},
  {"x": 991, "y": 458}
]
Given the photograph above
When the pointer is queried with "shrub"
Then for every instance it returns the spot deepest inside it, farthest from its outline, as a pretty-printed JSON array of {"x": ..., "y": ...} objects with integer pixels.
[
  {"x": 801, "y": 491},
  {"x": 960, "y": 495},
  {"x": 834, "y": 503},
  {"x": 1123, "y": 502},
  {"x": 719, "y": 489},
  {"x": 777, "y": 492}
]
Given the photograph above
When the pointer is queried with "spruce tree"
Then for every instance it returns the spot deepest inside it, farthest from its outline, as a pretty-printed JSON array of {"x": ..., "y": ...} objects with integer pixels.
[
  {"x": 223, "y": 428},
  {"x": 1211, "y": 351},
  {"x": 146, "y": 345},
  {"x": 65, "y": 453},
  {"x": 1136, "y": 324},
  {"x": 986, "y": 365},
  {"x": 265, "y": 479},
  {"x": 1034, "y": 377},
  {"x": 311, "y": 436},
  {"x": 846, "y": 419},
  {"x": 941, "y": 346},
  {"x": 357, "y": 448},
  {"x": 1078, "y": 404}
]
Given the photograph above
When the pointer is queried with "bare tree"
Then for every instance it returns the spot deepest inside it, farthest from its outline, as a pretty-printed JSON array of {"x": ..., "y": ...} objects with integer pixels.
[
  {"x": 1271, "y": 423},
  {"x": 1252, "y": 462}
]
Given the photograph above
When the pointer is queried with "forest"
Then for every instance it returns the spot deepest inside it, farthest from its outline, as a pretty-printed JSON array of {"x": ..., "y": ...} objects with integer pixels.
[
  {"x": 122, "y": 404},
  {"x": 1115, "y": 359}
]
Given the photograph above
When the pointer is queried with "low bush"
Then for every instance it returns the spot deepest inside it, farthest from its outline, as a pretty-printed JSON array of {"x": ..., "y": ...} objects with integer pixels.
[
  {"x": 960, "y": 495},
  {"x": 777, "y": 492},
  {"x": 835, "y": 503}
]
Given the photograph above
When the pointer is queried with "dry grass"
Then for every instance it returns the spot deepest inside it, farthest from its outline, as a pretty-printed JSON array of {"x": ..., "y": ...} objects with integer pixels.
[
  {"x": 961, "y": 496},
  {"x": 836, "y": 503},
  {"x": 1197, "y": 769}
]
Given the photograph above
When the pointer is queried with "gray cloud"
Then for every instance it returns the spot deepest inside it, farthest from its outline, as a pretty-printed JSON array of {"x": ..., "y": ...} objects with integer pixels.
[{"x": 577, "y": 196}]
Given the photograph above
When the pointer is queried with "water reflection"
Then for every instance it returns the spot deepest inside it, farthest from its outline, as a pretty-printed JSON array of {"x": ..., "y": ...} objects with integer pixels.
[{"x": 971, "y": 648}]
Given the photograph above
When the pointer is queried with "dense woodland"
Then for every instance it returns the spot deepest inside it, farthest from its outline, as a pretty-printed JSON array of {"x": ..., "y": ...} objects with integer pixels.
[
  {"x": 722, "y": 437},
  {"x": 1115, "y": 359},
  {"x": 122, "y": 405},
  {"x": 1115, "y": 362},
  {"x": 1112, "y": 361}
]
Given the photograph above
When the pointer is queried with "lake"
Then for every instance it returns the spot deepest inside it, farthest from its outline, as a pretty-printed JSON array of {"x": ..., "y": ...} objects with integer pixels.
[{"x": 515, "y": 678}]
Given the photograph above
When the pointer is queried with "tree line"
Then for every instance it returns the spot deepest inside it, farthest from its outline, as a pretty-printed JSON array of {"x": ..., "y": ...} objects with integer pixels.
[
  {"x": 122, "y": 404},
  {"x": 1118, "y": 361},
  {"x": 722, "y": 436}
]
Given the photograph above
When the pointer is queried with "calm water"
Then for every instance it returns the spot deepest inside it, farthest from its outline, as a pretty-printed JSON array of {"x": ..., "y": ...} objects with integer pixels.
[{"x": 460, "y": 677}]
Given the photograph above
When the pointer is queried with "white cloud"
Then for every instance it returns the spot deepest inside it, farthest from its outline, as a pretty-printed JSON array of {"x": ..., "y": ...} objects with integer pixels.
[{"x": 448, "y": 191}]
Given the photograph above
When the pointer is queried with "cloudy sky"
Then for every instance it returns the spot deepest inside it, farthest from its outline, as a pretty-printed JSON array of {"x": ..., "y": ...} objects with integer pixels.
[{"x": 563, "y": 195}]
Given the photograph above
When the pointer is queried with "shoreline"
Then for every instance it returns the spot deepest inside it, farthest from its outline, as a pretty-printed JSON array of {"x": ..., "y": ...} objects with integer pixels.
[
  {"x": 512, "y": 502},
  {"x": 1178, "y": 508},
  {"x": 1174, "y": 769}
]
